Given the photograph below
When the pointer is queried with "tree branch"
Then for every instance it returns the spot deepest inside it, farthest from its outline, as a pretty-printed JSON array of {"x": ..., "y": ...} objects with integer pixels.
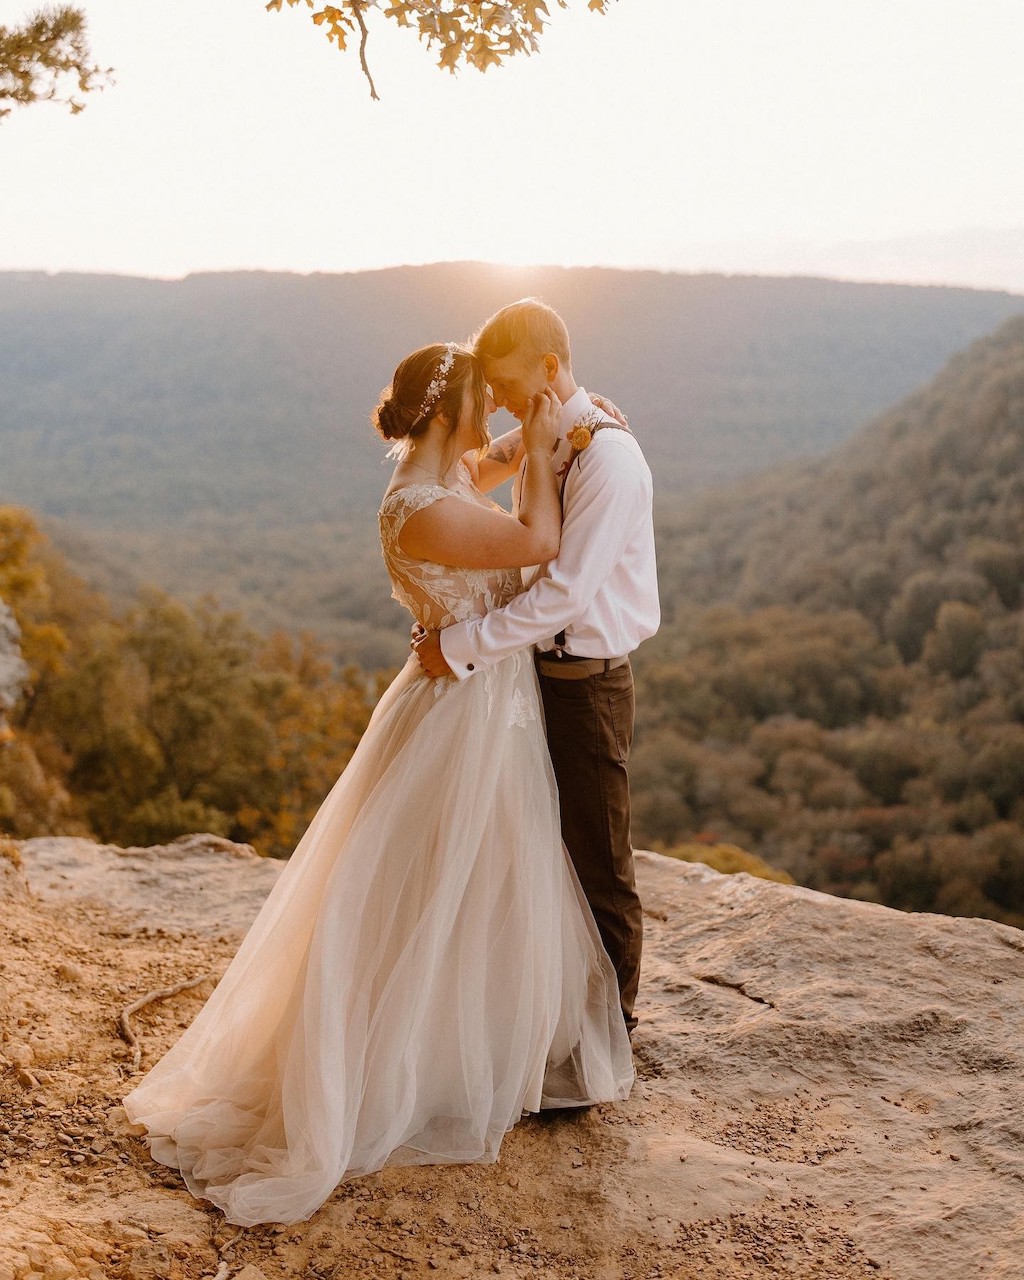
[
  {"x": 37, "y": 57},
  {"x": 124, "y": 1020},
  {"x": 362, "y": 50},
  {"x": 464, "y": 32}
]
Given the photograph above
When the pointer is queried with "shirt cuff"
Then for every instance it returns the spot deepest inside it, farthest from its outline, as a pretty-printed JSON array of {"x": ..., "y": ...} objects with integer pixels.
[{"x": 457, "y": 646}]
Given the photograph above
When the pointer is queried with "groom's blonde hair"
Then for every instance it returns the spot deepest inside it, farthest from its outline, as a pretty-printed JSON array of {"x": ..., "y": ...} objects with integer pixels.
[{"x": 529, "y": 327}]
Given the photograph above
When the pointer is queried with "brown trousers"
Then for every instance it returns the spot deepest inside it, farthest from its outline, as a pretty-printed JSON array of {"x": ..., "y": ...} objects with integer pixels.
[{"x": 590, "y": 731}]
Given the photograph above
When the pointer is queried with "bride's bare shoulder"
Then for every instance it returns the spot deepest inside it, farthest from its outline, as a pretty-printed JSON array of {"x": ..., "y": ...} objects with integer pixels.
[
  {"x": 460, "y": 482},
  {"x": 403, "y": 478}
]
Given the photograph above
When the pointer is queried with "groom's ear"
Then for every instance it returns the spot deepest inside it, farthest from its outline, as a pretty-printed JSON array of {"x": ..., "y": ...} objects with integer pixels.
[{"x": 551, "y": 365}]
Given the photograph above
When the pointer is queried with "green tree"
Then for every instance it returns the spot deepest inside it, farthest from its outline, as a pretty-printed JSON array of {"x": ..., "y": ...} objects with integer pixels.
[
  {"x": 729, "y": 859},
  {"x": 32, "y": 802},
  {"x": 884, "y": 758},
  {"x": 912, "y": 614},
  {"x": 48, "y": 55},
  {"x": 907, "y": 876},
  {"x": 33, "y": 797},
  {"x": 997, "y": 769},
  {"x": 169, "y": 720},
  {"x": 47, "y": 59},
  {"x": 957, "y": 640},
  {"x": 1001, "y": 564},
  {"x": 1004, "y": 843},
  {"x": 461, "y": 32},
  {"x": 179, "y": 719}
]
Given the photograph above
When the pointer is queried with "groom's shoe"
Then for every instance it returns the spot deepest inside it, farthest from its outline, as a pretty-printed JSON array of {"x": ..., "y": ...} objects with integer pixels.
[{"x": 548, "y": 1115}]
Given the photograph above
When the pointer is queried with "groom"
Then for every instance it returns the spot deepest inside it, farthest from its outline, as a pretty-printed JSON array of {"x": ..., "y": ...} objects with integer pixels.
[{"x": 585, "y": 612}]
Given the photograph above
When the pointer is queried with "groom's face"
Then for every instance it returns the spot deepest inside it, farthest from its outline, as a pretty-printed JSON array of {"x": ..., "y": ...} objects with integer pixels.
[{"x": 514, "y": 379}]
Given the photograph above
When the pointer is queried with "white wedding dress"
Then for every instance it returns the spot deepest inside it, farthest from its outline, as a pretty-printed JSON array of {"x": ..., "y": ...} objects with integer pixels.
[{"x": 424, "y": 971}]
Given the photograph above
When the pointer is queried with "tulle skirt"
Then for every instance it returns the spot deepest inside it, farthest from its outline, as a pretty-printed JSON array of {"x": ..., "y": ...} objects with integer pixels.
[{"x": 424, "y": 971}]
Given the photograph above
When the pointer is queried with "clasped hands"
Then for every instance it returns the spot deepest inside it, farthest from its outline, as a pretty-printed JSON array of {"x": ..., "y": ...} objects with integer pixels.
[{"x": 426, "y": 645}]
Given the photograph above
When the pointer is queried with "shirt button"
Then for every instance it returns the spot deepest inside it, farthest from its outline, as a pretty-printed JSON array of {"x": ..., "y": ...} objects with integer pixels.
[{"x": 470, "y": 667}]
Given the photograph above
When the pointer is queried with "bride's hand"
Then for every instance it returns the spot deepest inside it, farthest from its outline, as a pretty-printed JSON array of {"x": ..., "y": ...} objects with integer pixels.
[
  {"x": 613, "y": 411},
  {"x": 427, "y": 648},
  {"x": 542, "y": 422}
]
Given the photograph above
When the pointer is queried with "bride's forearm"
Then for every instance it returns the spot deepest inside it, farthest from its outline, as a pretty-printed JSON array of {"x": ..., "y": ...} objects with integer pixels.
[{"x": 540, "y": 508}]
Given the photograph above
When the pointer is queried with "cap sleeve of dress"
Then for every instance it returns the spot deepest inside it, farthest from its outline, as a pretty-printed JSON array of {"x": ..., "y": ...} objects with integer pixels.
[{"x": 400, "y": 504}]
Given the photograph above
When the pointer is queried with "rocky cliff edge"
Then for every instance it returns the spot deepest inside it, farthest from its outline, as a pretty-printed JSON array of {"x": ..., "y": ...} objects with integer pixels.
[{"x": 825, "y": 1089}]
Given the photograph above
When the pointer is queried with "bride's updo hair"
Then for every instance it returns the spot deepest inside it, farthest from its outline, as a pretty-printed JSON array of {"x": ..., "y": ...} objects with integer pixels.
[{"x": 400, "y": 415}]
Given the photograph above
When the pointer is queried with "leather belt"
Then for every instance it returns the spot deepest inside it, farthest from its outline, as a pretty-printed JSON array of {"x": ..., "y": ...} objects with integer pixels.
[{"x": 569, "y": 667}]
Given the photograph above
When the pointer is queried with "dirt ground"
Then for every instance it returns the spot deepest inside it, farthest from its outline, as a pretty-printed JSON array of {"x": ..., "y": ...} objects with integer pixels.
[{"x": 799, "y": 1111}]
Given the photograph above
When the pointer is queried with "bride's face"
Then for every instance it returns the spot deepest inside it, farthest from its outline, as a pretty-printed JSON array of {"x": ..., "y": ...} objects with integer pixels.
[
  {"x": 515, "y": 379},
  {"x": 473, "y": 433}
]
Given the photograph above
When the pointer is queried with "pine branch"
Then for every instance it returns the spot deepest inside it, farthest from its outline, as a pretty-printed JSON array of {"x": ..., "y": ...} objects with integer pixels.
[{"x": 38, "y": 57}]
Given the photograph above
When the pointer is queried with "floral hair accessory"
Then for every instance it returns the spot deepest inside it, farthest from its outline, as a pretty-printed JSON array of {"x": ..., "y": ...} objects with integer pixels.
[{"x": 438, "y": 382}]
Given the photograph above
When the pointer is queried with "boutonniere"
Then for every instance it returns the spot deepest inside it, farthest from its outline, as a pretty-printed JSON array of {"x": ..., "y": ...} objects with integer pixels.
[{"x": 582, "y": 431}]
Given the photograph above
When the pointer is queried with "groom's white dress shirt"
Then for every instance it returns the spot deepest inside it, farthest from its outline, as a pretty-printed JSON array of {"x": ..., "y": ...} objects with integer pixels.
[{"x": 602, "y": 587}]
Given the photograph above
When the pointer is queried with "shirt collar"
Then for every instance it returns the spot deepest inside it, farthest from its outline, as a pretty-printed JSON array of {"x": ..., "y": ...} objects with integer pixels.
[
  {"x": 577, "y": 405},
  {"x": 574, "y": 408}
]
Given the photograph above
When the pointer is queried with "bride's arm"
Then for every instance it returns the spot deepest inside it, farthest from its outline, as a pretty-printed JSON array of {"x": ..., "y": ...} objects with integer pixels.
[{"x": 456, "y": 532}]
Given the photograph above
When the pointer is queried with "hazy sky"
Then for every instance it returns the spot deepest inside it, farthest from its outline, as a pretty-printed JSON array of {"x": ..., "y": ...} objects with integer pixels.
[{"x": 767, "y": 135}]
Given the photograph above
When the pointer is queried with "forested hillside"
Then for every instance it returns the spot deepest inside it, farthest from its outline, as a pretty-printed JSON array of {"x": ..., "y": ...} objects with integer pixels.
[
  {"x": 837, "y": 688},
  {"x": 139, "y": 725},
  {"x": 211, "y": 433},
  {"x": 839, "y": 683},
  {"x": 935, "y": 485}
]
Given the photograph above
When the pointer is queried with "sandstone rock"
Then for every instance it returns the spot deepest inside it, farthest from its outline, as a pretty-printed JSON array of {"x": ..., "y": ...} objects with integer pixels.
[
  {"x": 13, "y": 883},
  {"x": 12, "y": 1263},
  {"x": 20, "y": 1053},
  {"x": 13, "y": 668},
  {"x": 201, "y": 883},
  {"x": 824, "y": 1086},
  {"x": 149, "y": 1261},
  {"x": 204, "y": 842},
  {"x": 59, "y": 1267},
  {"x": 837, "y": 1052}
]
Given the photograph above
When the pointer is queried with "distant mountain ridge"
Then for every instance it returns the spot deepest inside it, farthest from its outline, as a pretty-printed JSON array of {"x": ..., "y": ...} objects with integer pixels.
[
  {"x": 975, "y": 257},
  {"x": 212, "y": 433},
  {"x": 260, "y": 383}
]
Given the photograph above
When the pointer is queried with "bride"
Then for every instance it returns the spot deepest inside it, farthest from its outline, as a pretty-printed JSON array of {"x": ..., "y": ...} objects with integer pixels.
[{"x": 426, "y": 969}]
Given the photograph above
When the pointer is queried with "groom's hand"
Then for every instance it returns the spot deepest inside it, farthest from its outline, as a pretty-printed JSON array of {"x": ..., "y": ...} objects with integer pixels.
[{"x": 427, "y": 647}]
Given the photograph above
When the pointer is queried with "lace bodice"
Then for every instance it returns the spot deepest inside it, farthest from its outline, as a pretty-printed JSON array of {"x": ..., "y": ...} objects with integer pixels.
[{"x": 438, "y": 595}]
